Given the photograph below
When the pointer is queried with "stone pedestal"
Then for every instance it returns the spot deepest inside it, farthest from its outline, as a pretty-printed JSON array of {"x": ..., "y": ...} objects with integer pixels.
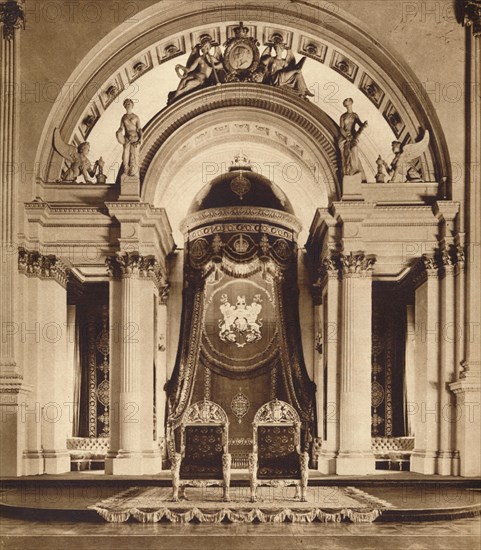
[
  {"x": 468, "y": 390},
  {"x": 355, "y": 456},
  {"x": 351, "y": 188},
  {"x": 129, "y": 188}
]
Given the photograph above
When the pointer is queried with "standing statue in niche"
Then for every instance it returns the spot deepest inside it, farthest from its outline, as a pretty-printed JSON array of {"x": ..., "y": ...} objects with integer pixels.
[
  {"x": 79, "y": 163},
  {"x": 130, "y": 136},
  {"x": 203, "y": 63},
  {"x": 351, "y": 129},
  {"x": 401, "y": 169},
  {"x": 282, "y": 70}
]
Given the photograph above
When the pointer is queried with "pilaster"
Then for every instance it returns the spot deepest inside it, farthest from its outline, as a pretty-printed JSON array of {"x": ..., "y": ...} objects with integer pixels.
[
  {"x": 330, "y": 284},
  {"x": 426, "y": 416},
  {"x": 48, "y": 413},
  {"x": 12, "y": 18}
]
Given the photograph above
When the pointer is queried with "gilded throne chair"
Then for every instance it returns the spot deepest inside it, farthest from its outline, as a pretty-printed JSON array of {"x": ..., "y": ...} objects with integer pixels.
[
  {"x": 203, "y": 459},
  {"x": 277, "y": 460}
]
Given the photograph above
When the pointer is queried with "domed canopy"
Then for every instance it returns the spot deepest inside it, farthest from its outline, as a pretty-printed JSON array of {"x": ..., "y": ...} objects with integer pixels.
[{"x": 240, "y": 186}]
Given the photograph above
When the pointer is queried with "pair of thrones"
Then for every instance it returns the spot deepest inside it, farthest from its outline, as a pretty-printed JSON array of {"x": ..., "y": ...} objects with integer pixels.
[{"x": 254, "y": 246}]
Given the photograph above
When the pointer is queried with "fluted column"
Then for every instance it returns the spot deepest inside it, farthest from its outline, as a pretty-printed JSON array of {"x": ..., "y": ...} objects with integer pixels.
[
  {"x": 446, "y": 463},
  {"x": 132, "y": 448},
  {"x": 11, "y": 19},
  {"x": 12, "y": 393},
  {"x": 355, "y": 456}
]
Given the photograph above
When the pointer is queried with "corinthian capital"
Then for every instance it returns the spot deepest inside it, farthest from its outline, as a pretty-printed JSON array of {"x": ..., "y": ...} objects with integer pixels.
[
  {"x": 471, "y": 15},
  {"x": 12, "y": 17},
  {"x": 35, "y": 264},
  {"x": 133, "y": 264},
  {"x": 357, "y": 263}
]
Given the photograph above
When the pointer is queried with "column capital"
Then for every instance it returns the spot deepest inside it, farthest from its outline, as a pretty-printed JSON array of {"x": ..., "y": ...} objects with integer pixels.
[
  {"x": 35, "y": 264},
  {"x": 329, "y": 267},
  {"x": 471, "y": 15},
  {"x": 357, "y": 264},
  {"x": 12, "y": 16},
  {"x": 133, "y": 264}
]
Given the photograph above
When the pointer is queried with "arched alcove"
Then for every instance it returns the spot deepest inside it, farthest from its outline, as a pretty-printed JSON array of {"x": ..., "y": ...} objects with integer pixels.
[{"x": 382, "y": 86}]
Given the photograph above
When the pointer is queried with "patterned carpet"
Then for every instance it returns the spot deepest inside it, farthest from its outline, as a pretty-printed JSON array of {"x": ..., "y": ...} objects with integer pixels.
[{"x": 274, "y": 505}]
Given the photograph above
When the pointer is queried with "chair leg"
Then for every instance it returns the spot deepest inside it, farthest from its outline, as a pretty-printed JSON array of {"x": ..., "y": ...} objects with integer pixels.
[
  {"x": 253, "y": 491},
  {"x": 175, "y": 471},
  {"x": 226, "y": 470}
]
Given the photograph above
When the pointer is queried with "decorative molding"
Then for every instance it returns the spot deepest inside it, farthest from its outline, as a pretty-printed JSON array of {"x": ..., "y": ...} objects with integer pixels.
[
  {"x": 12, "y": 16},
  {"x": 344, "y": 66},
  {"x": 394, "y": 119},
  {"x": 372, "y": 90},
  {"x": 312, "y": 48},
  {"x": 35, "y": 264},
  {"x": 213, "y": 215}
]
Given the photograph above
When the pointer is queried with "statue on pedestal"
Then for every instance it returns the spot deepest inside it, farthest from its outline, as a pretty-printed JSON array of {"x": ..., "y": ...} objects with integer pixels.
[
  {"x": 80, "y": 164},
  {"x": 130, "y": 136},
  {"x": 351, "y": 128},
  {"x": 401, "y": 169}
]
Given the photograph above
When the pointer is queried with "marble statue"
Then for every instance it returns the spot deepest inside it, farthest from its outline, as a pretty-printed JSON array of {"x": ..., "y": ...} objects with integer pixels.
[
  {"x": 129, "y": 135},
  {"x": 201, "y": 65},
  {"x": 401, "y": 169},
  {"x": 351, "y": 128},
  {"x": 79, "y": 163},
  {"x": 282, "y": 70}
]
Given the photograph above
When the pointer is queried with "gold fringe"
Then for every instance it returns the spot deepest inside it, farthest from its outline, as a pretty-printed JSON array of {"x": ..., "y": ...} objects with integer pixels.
[{"x": 237, "y": 516}]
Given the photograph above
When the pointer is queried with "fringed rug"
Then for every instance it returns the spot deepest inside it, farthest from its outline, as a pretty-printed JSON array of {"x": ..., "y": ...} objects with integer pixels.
[{"x": 274, "y": 505}]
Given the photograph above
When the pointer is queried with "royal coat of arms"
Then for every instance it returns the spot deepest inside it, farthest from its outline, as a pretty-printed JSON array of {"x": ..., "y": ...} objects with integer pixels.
[{"x": 240, "y": 324}]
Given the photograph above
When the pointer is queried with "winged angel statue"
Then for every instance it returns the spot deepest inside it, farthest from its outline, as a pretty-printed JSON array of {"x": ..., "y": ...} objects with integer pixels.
[
  {"x": 401, "y": 169},
  {"x": 79, "y": 163}
]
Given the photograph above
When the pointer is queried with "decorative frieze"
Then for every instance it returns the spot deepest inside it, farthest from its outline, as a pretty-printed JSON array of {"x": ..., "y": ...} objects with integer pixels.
[{"x": 35, "y": 264}]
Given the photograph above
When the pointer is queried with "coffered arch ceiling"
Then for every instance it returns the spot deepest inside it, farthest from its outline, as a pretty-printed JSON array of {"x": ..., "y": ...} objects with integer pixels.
[{"x": 138, "y": 61}]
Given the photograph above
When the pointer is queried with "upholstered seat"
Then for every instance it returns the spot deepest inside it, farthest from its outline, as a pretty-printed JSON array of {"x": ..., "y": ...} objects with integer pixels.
[
  {"x": 276, "y": 458},
  {"x": 203, "y": 459}
]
